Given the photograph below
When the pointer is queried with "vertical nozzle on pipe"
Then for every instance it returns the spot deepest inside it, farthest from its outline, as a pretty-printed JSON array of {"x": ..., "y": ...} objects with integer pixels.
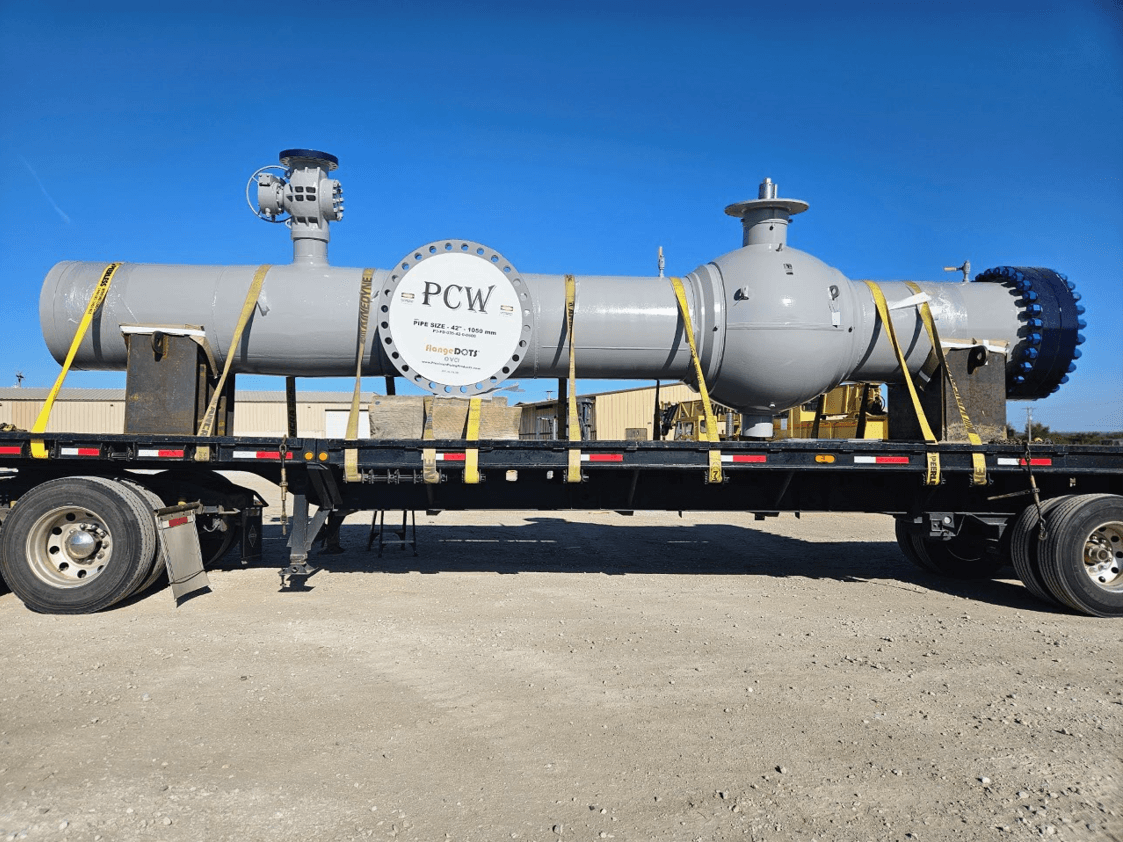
[
  {"x": 765, "y": 219},
  {"x": 307, "y": 195}
]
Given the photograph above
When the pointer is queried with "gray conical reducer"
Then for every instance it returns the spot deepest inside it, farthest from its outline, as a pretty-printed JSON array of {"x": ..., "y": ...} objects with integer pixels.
[{"x": 774, "y": 326}]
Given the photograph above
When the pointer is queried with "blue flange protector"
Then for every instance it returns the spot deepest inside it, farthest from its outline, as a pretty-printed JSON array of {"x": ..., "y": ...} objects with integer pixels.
[{"x": 1050, "y": 334}]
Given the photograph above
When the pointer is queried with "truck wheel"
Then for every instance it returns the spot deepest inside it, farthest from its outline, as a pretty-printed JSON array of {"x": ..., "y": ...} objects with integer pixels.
[
  {"x": 906, "y": 540},
  {"x": 1082, "y": 556},
  {"x": 76, "y": 545},
  {"x": 1025, "y": 549},
  {"x": 965, "y": 556},
  {"x": 152, "y": 502}
]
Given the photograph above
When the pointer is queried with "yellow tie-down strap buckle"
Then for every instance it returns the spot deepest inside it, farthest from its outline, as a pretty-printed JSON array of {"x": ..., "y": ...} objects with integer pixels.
[
  {"x": 38, "y": 448},
  {"x": 206, "y": 426},
  {"x": 472, "y": 434},
  {"x": 714, "y": 472},
  {"x": 978, "y": 460},
  {"x": 932, "y": 473},
  {"x": 429, "y": 472},
  {"x": 351, "y": 454},
  {"x": 573, "y": 468}
]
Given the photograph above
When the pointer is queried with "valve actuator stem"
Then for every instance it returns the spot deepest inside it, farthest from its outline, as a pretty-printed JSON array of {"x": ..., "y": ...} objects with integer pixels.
[
  {"x": 307, "y": 195},
  {"x": 765, "y": 219}
]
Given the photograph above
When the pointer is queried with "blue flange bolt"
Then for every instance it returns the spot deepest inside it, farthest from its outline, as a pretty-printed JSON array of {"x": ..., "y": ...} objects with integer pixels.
[{"x": 1052, "y": 318}]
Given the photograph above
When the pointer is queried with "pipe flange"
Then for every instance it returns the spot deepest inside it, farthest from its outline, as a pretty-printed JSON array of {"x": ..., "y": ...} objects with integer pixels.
[
  {"x": 1050, "y": 335},
  {"x": 454, "y": 318},
  {"x": 293, "y": 158}
]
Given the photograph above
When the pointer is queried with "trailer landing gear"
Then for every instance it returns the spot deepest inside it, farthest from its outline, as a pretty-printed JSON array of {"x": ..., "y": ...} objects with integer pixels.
[{"x": 304, "y": 532}]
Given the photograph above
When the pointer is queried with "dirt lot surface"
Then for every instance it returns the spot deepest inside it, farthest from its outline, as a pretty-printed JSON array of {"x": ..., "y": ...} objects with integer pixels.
[{"x": 551, "y": 676}]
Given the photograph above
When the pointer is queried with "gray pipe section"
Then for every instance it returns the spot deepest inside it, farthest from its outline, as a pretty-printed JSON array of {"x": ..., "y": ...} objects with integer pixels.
[
  {"x": 305, "y": 323},
  {"x": 624, "y": 327},
  {"x": 775, "y": 327},
  {"x": 306, "y": 320}
]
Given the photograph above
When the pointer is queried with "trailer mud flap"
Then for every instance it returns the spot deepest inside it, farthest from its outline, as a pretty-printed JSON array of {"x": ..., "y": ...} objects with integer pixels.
[{"x": 185, "y": 559}]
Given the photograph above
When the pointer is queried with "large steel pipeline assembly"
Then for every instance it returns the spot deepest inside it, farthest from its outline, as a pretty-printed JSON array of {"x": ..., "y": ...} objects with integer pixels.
[
  {"x": 765, "y": 327},
  {"x": 773, "y": 326}
]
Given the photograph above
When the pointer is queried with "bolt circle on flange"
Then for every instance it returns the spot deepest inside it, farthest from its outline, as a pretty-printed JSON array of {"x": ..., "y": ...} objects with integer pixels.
[
  {"x": 67, "y": 547},
  {"x": 1103, "y": 556},
  {"x": 1047, "y": 303},
  {"x": 455, "y": 318}
]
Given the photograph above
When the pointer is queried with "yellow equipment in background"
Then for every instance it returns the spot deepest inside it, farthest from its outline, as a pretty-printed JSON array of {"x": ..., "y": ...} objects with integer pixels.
[
  {"x": 852, "y": 411},
  {"x": 686, "y": 421}
]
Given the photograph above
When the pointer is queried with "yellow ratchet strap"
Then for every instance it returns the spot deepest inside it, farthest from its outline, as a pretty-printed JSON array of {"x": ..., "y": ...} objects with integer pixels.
[
  {"x": 351, "y": 454},
  {"x": 932, "y": 475},
  {"x": 573, "y": 472},
  {"x": 472, "y": 454},
  {"x": 714, "y": 474},
  {"x": 206, "y": 426},
  {"x": 38, "y": 449},
  {"x": 429, "y": 454},
  {"x": 978, "y": 461}
]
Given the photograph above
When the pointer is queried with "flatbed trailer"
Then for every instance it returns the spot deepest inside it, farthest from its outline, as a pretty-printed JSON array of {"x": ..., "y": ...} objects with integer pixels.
[
  {"x": 90, "y": 519},
  {"x": 1054, "y": 511}
]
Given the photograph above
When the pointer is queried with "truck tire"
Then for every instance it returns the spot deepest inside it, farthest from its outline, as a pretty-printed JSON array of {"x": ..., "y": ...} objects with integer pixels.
[
  {"x": 1025, "y": 549},
  {"x": 1082, "y": 555},
  {"x": 906, "y": 540},
  {"x": 965, "y": 556},
  {"x": 160, "y": 558},
  {"x": 76, "y": 545}
]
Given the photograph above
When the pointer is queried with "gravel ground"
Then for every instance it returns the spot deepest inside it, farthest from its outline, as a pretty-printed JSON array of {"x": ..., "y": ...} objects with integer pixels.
[{"x": 556, "y": 676}]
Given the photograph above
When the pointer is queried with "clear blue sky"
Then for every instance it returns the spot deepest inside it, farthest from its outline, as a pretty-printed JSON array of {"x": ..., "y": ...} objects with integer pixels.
[{"x": 574, "y": 137}]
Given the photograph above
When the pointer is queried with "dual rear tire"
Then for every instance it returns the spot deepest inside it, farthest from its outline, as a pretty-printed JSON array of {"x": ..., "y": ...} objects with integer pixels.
[
  {"x": 1081, "y": 558},
  {"x": 76, "y": 545},
  {"x": 1068, "y": 552}
]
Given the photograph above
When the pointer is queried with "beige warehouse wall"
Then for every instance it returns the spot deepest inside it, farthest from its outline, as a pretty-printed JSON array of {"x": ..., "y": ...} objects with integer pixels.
[
  {"x": 614, "y": 412},
  {"x": 251, "y": 418},
  {"x": 617, "y": 411},
  {"x": 67, "y": 416},
  {"x": 271, "y": 419}
]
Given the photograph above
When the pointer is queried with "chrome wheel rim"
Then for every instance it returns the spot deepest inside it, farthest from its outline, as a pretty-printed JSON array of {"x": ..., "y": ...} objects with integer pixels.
[
  {"x": 1103, "y": 556},
  {"x": 69, "y": 546}
]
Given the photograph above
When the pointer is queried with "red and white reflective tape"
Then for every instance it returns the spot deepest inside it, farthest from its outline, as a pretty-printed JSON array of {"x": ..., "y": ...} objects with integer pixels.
[
  {"x": 881, "y": 460},
  {"x": 79, "y": 451},
  {"x": 176, "y": 521},
  {"x": 10, "y": 451},
  {"x": 742, "y": 458},
  {"x": 602, "y": 457},
  {"x": 159, "y": 454},
  {"x": 450, "y": 457},
  {"x": 1005, "y": 460},
  {"x": 260, "y": 454}
]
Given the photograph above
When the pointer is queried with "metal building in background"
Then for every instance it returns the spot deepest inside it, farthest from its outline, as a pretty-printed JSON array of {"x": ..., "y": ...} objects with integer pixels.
[{"x": 256, "y": 413}]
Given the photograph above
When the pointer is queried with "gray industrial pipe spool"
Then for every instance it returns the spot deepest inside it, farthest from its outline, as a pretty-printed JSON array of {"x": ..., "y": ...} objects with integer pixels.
[{"x": 774, "y": 326}]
